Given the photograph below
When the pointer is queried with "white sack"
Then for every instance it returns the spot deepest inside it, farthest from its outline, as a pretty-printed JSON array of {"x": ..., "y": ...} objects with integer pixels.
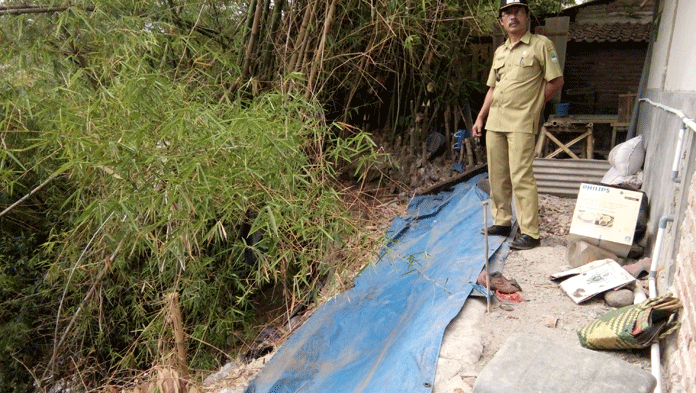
[{"x": 627, "y": 157}]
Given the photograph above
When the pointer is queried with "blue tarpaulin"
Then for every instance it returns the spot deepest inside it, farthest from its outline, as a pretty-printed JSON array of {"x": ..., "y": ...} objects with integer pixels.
[{"x": 384, "y": 334}]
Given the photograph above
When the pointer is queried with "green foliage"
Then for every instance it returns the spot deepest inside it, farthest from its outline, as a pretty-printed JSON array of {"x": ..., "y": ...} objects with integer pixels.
[
  {"x": 141, "y": 151},
  {"x": 151, "y": 167}
]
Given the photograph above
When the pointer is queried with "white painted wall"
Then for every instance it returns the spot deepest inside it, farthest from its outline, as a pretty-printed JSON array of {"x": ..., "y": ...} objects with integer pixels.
[
  {"x": 674, "y": 52},
  {"x": 671, "y": 82}
]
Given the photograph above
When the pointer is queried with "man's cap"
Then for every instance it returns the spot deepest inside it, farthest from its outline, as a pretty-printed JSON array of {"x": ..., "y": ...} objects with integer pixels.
[{"x": 509, "y": 3}]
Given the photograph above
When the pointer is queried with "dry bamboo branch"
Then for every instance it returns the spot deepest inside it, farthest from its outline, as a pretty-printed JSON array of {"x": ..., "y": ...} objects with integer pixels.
[
  {"x": 26, "y": 9},
  {"x": 89, "y": 294},
  {"x": 32, "y": 192}
]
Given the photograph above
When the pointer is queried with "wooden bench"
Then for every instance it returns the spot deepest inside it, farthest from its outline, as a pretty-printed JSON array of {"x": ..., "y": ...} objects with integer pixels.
[{"x": 565, "y": 125}]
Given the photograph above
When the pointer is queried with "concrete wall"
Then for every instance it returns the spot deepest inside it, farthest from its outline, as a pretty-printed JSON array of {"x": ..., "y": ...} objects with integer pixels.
[
  {"x": 670, "y": 82},
  {"x": 660, "y": 131},
  {"x": 674, "y": 56}
]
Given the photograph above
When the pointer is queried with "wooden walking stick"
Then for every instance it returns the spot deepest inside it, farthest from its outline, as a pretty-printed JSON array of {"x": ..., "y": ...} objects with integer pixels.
[{"x": 488, "y": 273}]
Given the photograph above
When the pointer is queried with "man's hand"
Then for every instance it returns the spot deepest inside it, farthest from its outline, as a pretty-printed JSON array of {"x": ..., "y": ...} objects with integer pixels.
[{"x": 477, "y": 128}]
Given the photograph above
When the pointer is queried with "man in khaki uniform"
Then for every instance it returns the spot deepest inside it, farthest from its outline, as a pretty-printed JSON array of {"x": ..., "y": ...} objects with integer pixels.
[{"x": 525, "y": 74}]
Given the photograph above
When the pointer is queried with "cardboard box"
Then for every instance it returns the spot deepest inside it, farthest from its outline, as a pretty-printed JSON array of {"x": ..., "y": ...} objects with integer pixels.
[
  {"x": 606, "y": 276},
  {"x": 606, "y": 216}
]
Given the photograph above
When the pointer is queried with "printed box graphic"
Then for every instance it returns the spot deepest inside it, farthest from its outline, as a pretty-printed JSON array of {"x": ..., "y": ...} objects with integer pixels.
[{"x": 606, "y": 216}]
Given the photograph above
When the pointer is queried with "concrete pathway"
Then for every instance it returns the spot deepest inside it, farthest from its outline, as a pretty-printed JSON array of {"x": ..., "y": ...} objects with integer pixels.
[{"x": 462, "y": 347}]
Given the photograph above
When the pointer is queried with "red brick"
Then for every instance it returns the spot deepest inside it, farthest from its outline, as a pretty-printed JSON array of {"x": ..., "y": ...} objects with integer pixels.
[{"x": 685, "y": 289}]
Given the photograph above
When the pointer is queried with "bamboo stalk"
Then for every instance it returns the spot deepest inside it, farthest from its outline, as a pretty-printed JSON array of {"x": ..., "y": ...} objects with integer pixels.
[
  {"x": 252, "y": 39},
  {"x": 395, "y": 108},
  {"x": 319, "y": 55},
  {"x": 247, "y": 29},
  {"x": 273, "y": 26},
  {"x": 461, "y": 147},
  {"x": 448, "y": 113},
  {"x": 302, "y": 36},
  {"x": 469, "y": 153},
  {"x": 476, "y": 155},
  {"x": 20, "y": 10},
  {"x": 361, "y": 71},
  {"x": 178, "y": 330}
]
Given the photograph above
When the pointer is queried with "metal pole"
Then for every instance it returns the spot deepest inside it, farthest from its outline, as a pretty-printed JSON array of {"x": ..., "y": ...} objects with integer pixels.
[{"x": 488, "y": 273}]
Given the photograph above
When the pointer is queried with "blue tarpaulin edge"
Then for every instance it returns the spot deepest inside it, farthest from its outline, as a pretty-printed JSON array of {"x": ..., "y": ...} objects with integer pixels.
[{"x": 385, "y": 333}]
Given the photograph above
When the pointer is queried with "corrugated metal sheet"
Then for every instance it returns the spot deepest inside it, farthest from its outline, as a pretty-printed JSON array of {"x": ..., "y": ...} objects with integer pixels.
[{"x": 563, "y": 177}]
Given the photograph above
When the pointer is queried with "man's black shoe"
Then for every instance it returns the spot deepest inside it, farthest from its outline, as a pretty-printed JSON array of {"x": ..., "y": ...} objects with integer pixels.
[
  {"x": 498, "y": 230},
  {"x": 525, "y": 242}
]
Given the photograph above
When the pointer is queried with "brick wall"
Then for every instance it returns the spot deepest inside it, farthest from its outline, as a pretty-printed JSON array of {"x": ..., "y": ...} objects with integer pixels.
[
  {"x": 683, "y": 359},
  {"x": 596, "y": 73}
]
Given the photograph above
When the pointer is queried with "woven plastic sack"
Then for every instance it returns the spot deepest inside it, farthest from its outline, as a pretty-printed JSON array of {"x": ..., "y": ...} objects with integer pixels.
[
  {"x": 635, "y": 326},
  {"x": 627, "y": 157},
  {"x": 613, "y": 177}
]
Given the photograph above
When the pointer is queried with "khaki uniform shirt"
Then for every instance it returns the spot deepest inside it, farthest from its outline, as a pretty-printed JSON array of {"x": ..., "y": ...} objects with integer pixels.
[{"x": 519, "y": 75}]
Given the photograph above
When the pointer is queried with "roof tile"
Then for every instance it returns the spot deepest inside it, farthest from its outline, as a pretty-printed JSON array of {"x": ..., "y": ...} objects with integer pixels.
[{"x": 610, "y": 32}]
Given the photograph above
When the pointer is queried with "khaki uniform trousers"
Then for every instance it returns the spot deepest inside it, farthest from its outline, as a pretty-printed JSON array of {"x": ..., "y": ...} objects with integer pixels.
[{"x": 510, "y": 157}]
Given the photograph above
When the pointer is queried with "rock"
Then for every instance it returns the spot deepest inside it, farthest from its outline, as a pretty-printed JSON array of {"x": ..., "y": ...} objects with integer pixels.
[
  {"x": 550, "y": 321},
  {"x": 636, "y": 251},
  {"x": 639, "y": 268},
  {"x": 619, "y": 298}
]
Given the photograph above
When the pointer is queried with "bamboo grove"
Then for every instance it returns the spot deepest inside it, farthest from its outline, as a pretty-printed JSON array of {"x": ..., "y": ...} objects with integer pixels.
[{"x": 174, "y": 157}]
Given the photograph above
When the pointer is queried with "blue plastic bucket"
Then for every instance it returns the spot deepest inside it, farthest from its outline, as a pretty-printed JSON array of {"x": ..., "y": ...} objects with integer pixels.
[{"x": 560, "y": 109}]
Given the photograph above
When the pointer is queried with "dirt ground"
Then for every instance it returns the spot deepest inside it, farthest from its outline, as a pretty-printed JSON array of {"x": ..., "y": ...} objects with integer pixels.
[
  {"x": 480, "y": 330},
  {"x": 545, "y": 309}
]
